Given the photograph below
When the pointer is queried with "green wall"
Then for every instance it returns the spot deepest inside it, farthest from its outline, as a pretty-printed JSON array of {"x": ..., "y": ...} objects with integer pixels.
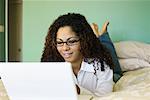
[
  {"x": 2, "y": 34},
  {"x": 129, "y": 20}
]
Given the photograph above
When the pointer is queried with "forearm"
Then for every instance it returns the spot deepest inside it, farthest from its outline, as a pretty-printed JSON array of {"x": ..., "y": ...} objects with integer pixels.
[{"x": 104, "y": 89}]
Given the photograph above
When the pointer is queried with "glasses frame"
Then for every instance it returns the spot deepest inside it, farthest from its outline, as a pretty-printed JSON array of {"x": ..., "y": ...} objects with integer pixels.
[{"x": 68, "y": 42}]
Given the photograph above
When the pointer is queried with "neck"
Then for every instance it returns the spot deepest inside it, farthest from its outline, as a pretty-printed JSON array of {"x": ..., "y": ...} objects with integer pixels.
[{"x": 76, "y": 67}]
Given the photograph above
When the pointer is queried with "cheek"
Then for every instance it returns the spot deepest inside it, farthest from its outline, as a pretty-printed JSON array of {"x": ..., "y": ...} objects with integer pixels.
[{"x": 77, "y": 49}]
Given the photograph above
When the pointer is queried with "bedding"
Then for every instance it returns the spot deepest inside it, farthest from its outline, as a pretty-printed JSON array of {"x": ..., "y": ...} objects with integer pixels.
[
  {"x": 133, "y": 85},
  {"x": 132, "y": 55},
  {"x": 133, "y": 49},
  {"x": 133, "y": 64},
  {"x": 134, "y": 59}
]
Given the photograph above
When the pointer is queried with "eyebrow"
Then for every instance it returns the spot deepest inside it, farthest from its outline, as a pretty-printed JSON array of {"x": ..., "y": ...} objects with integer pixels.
[{"x": 68, "y": 38}]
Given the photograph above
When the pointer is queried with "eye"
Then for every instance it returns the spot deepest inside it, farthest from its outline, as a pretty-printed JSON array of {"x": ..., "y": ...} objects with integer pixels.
[
  {"x": 59, "y": 42},
  {"x": 72, "y": 41}
]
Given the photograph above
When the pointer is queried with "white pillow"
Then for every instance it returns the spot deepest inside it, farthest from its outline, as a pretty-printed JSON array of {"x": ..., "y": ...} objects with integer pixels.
[
  {"x": 132, "y": 64},
  {"x": 133, "y": 49}
]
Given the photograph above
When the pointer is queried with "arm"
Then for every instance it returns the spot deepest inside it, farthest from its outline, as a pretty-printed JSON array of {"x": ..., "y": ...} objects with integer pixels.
[{"x": 104, "y": 82}]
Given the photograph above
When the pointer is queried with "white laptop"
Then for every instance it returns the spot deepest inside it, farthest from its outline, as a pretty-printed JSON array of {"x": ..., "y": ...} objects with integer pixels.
[{"x": 38, "y": 81}]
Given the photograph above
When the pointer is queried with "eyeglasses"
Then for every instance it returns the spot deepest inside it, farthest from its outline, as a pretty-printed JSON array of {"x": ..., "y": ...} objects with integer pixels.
[{"x": 70, "y": 41}]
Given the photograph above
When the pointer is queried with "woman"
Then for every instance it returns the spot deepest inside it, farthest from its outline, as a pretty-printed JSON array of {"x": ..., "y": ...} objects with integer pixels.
[{"x": 70, "y": 38}]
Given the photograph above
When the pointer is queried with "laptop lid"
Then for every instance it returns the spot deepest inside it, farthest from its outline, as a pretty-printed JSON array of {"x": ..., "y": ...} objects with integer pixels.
[{"x": 38, "y": 81}]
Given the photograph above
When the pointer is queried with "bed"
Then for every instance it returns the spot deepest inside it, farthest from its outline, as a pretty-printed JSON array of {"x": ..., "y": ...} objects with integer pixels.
[
  {"x": 134, "y": 85},
  {"x": 134, "y": 59}
]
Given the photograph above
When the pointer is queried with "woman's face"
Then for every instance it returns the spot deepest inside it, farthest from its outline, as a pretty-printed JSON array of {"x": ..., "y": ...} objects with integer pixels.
[{"x": 68, "y": 44}]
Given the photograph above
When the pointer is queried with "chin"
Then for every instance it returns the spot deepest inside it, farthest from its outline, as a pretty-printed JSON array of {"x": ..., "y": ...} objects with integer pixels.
[{"x": 69, "y": 60}]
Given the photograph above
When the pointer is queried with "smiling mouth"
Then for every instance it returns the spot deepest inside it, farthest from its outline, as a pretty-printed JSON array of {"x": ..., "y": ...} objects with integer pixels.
[{"x": 67, "y": 55}]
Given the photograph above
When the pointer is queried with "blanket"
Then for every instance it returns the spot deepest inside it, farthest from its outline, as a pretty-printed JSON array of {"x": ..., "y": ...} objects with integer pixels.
[{"x": 134, "y": 85}]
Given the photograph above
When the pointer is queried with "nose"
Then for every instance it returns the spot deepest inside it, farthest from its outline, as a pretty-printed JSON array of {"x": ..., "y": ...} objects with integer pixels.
[{"x": 66, "y": 47}]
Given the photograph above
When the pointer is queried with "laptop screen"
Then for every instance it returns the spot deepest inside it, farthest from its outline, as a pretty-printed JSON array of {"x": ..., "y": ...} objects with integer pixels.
[{"x": 38, "y": 81}]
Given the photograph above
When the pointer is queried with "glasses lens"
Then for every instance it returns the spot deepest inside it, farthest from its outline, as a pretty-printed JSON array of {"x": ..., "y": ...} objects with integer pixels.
[
  {"x": 59, "y": 42},
  {"x": 70, "y": 41}
]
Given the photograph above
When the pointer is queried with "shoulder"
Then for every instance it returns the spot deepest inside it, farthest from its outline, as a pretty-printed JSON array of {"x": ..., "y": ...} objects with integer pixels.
[
  {"x": 95, "y": 64},
  {"x": 106, "y": 74}
]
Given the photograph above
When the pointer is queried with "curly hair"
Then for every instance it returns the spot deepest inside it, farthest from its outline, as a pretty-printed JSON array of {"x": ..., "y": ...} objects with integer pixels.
[{"x": 91, "y": 47}]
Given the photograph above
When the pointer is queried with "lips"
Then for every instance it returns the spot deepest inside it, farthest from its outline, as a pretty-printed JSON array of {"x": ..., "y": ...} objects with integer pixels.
[{"x": 67, "y": 55}]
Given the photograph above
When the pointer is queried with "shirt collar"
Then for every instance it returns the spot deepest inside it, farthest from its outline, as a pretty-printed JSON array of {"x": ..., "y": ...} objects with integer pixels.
[{"x": 87, "y": 67}]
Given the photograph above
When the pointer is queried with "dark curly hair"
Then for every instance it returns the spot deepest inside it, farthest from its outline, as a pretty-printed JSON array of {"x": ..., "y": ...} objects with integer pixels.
[{"x": 91, "y": 47}]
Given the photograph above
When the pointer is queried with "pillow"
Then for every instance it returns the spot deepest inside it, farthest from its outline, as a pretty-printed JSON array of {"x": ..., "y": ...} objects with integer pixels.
[
  {"x": 133, "y": 49},
  {"x": 106, "y": 41},
  {"x": 132, "y": 64}
]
